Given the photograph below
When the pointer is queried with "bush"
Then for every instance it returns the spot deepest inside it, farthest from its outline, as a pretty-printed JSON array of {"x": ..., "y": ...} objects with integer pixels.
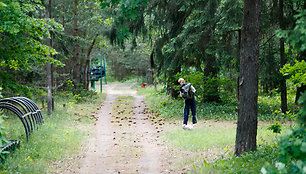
[
  {"x": 292, "y": 152},
  {"x": 292, "y": 148}
]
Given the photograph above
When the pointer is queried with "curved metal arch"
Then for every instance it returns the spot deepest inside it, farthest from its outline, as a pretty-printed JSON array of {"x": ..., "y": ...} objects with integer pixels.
[
  {"x": 30, "y": 110},
  {"x": 26, "y": 110},
  {"x": 39, "y": 115},
  {"x": 18, "y": 112}
]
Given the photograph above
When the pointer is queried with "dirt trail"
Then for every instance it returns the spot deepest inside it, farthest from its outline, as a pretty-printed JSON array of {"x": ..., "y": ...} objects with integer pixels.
[{"x": 124, "y": 145}]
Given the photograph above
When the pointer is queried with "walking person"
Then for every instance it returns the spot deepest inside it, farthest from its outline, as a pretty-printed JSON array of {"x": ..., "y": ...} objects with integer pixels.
[{"x": 187, "y": 92}]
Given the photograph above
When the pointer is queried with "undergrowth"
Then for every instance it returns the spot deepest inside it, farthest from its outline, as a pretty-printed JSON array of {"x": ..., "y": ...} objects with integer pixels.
[{"x": 250, "y": 162}]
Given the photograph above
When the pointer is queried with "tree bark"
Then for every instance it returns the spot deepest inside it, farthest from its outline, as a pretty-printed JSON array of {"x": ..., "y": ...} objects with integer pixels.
[
  {"x": 248, "y": 78},
  {"x": 283, "y": 86},
  {"x": 77, "y": 69},
  {"x": 87, "y": 64},
  {"x": 49, "y": 69}
]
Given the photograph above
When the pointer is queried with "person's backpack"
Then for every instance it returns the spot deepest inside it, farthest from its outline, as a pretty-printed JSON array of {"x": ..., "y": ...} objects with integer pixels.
[{"x": 187, "y": 92}]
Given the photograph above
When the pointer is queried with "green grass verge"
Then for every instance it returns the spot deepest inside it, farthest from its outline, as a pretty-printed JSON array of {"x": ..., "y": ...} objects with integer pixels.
[
  {"x": 58, "y": 139},
  {"x": 201, "y": 138},
  {"x": 214, "y": 135},
  {"x": 219, "y": 138}
]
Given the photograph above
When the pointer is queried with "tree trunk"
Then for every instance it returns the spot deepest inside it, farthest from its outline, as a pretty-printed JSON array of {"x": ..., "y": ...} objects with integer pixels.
[
  {"x": 172, "y": 83},
  {"x": 49, "y": 69},
  {"x": 77, "y": 68},
  {"x": 87, "y": 64},
  {"x": 248, "y": 78},
  {"x": 283, "y": 86}
]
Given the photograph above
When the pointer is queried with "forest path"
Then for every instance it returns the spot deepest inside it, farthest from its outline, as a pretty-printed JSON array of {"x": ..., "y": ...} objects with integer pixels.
[{"x": 124, "y": 144}]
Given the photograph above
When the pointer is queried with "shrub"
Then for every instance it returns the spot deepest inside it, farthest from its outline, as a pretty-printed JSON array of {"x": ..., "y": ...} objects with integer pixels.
[
  {"x": 292, "y": 148},
  {"x": 292, "y": 152}
]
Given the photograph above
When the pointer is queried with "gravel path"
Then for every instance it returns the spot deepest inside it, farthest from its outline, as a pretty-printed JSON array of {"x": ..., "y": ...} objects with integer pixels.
[{"x": 129, "y": 146}]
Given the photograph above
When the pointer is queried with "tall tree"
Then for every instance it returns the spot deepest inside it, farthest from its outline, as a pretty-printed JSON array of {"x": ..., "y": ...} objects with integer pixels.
[
  {"x": 283, "y": 86},
  {"x": 248, "y": 78},
  {"x": 49, "y": 68},
  {"x": 77, "y": 69}
]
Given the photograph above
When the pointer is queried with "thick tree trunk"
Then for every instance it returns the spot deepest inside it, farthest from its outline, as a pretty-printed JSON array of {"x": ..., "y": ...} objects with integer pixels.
[
  {"x": 77, "y": 68},
  {"x": 49, "y": 69},
  {"x": 248, "y": 78},
  {"x": 283, "y": 86}
]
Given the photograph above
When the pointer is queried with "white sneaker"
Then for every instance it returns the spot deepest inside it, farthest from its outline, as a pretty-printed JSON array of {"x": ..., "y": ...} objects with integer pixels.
[
  {"x": 184, "y": 126},
  {"x": 189, "y": 127}
]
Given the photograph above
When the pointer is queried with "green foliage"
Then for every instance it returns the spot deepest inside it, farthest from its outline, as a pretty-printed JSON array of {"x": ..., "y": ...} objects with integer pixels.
[
  {"x": 2, "y": 137},
  {"x": 302, "y": 113},
  {"x": 205, "y": 85},
  {"x": 297, "y": 72},
  {"x": 269, "y": 108},
  {"x": 297, "y": 36},
  {"x": 2, "y": 4},
  {"x": 276, "y": 127},
  {"x": 249, "y": 162},
  {"x": 11, "y": 87},
  {"x": 75, "y": 95},
  {"x": 292, "y": 148},
  {"x": 22, "y": 35},
  {"x": 291, "y": 153}
]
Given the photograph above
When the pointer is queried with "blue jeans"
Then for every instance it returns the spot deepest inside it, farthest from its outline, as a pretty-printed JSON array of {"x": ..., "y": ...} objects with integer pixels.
[{"x": 190, "y": 103}]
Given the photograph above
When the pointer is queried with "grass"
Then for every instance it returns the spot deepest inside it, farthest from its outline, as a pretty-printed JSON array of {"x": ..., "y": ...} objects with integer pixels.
[
  {"x": 58, "y": 139},
  {"x": 248, "y": 163},
  {"x": 210, "y": 147},
  {"x": 203, "y": 137},
  {"x": 218, "y": 140},
  {"x": 211, "y": 134}
]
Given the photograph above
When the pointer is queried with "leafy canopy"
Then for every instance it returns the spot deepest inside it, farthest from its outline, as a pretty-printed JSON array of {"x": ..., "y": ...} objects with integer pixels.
[{"x": 22, "y": 35}]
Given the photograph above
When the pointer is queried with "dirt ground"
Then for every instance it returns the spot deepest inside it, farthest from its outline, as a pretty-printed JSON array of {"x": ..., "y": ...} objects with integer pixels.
[{"x": 126, "y": 145}]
